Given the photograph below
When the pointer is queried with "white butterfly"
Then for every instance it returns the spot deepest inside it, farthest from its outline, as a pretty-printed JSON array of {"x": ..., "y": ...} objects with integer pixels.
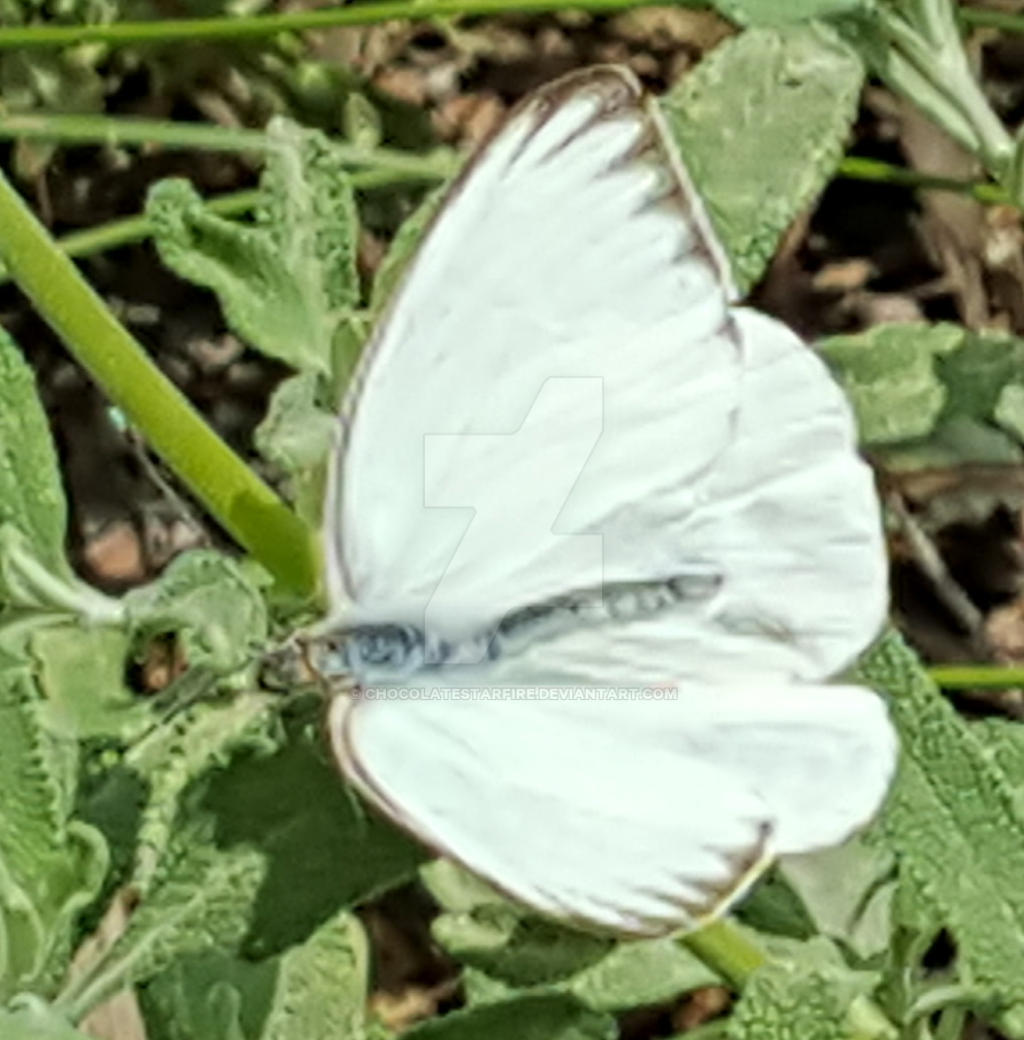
[{"x": 570, "y": 467}]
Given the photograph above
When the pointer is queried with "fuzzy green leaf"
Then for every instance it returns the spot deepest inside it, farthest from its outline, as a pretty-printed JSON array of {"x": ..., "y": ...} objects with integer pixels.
[
  {"x": 785, "y": 1001},
  {"x": 845, "y": 893},
  {"x": 81, "y": 674},
  {"x": 934, "y": 395},
  {"x": 402, "y": 248},
  {"x": 314, "y": 991},
  {"x": 532, "y": 1017},
  {"x": 211, "y": 601},
  {"x": 323, "y": 853},
  {"x": 954, "y": 822},
  {"x": 287, "y": 282},
  {"x": 762, "y": 123},
  {"x": 50, "y": 866},
  {"x": 889, "y": 377},
  {"x": 295, "y": 436},
  {"x": 781, "y": 12},
  {"x": 510, "y": 949},
  {"x": 201, "y": 901},
  {"x": 201, "y": 737},
  {"x": 31, "y": 495},
  {"x": 31, "y": 1019}
]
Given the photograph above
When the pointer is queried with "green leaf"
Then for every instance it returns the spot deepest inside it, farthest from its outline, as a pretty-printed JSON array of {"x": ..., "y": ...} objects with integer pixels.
[
  {"x": 953, "y": 822},
  {"x": 212, "y": 602},
  {"x": 786, "y": 1001},
  {"x": 511, "y": 948},
  {"x": 762, "y": 123},
  {"x": 31, "y": 495},
  {"x": 934, "y": 395},
  {"x": 641, "y": 972},
  {"x": 287, "y": 282},
  {"x": 295, "y": 436},
  {"x": 50, "y": 865},
  {"x": 31, "y": 1019},
  {"x": 781, "y": 12},
  {"x": 402, "y": 249},
  {"x": 201, "y": 737},
  {"x": 532, "y": 1017},
  {"x": 889, "y": 376},
  {"x": 314, "y": 991},
  {"x": 201, "y": 901},
  {"x": 81, "y": 674},
  {"x": 845, "y": 894},
  {"x": 520, "y": 949},
  {"x": 322, "y": 852}
]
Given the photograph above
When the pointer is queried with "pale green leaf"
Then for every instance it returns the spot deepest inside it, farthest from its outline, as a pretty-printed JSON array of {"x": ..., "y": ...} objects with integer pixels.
[
  {"x": 1009, "y": 410},
  {"x": 456, "y": 889},
  {"x": 780, "y": 12},
  {"x": 889, "y": 376},
  {"x": 288, "y": 281},
  {"x": 31, "y": 495},
  {"x": 50, "y": 866},
  {"x": 517, "y": 948},
  {"x": 531, "y": 1017},
  {"x": 786, "y": 1001},
  {"x": 205, "y": 735},
  {"x": 295, "y": 436},
  {"x": 321, "y": 990},
  {"x": 313, "y": 991},
  {"x": 31, "y": 1019},
  {"x": 402, "y": 248},
  {"x": 762, "y": 123},
  {"x": 845, "y": 893},
  {"x": 953, "y": 822},
  {"x": 641, "y": 972},
  {"x": 931, "y": 396},
  {"x": 211, "y": 601},
  {"x": 511, "y": 948},
  {"x": 81, "y": 674},
  {"x": 361, "y": 121},
  {"x": 202, "y": 900}
]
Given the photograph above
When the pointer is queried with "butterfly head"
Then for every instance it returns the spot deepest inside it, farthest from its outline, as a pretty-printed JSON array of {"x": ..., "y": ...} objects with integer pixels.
[{"x": 368, "y": 651}]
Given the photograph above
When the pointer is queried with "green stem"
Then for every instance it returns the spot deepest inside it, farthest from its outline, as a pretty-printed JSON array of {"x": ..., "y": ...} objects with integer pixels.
[
  {"x": 991, "y": 19},
  {"x": 730, "y": 952},
  {"x": 863, "y": 169},
  {"x": 977, "y": 676},
  {"x": 246, "y": 507},
  {"x": 193, "y": 29},
  {"x": 727, "y": 950},
  {"x": 118, "y": 130},
  {"x": 128, "y": 230}
]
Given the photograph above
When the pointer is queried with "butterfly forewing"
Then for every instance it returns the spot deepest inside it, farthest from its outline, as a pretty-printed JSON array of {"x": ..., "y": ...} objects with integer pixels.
[{"x": 567, "y": 286}]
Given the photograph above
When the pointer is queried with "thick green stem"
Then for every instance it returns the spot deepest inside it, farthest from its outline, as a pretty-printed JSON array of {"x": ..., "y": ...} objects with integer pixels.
[
  {"x": 246, "y": 507},
  {"x": 727, "y": 950},
  {"x": 162, "y": 32}
]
